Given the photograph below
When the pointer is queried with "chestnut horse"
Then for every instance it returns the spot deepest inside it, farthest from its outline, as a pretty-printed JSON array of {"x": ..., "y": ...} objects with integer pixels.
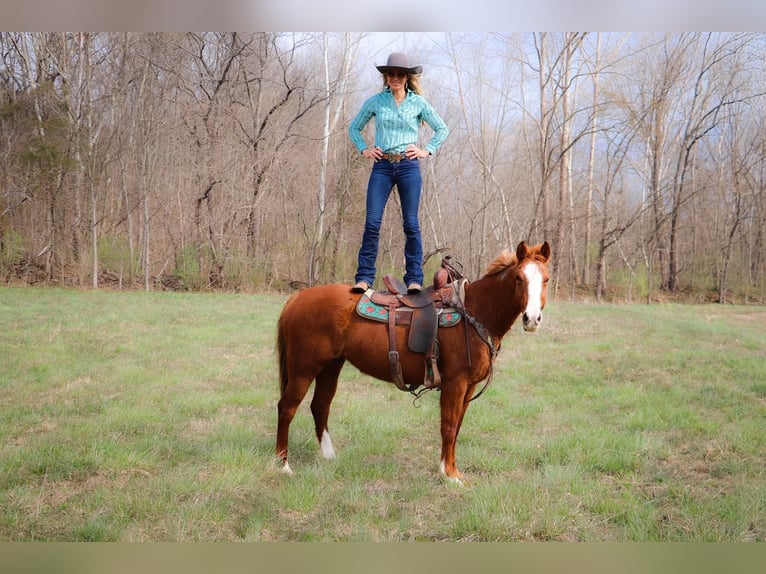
[{"x": 319, "y": 331}]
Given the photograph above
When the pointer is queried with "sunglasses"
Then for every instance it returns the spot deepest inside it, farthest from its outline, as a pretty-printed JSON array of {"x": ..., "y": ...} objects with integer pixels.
[{"x": 396, "y": 74}]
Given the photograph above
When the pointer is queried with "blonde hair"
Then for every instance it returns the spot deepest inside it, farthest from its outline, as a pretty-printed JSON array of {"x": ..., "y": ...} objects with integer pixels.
[{"x": 413, "y": 83}]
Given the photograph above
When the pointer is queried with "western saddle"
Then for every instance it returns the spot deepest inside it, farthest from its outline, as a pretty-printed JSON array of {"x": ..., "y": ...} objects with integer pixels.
[{"x": 421, "y": 311}]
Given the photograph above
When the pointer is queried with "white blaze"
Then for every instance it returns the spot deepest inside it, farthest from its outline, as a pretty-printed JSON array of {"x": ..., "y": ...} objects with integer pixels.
[{"x": 534, "y": 294}]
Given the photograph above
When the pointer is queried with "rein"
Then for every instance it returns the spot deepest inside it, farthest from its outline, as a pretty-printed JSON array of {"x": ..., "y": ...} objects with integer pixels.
[{"x": 485, "y": 336}]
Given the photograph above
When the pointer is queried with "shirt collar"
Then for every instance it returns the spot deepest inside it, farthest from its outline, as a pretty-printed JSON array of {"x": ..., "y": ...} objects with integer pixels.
[{"x": 387, "y": 90}]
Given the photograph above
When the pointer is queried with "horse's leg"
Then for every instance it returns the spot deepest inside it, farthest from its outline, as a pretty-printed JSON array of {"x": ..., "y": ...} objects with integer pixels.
[
  {"x": 454, "y": 402},
  {"x": 324, "y": 392},
  {"x": 288, "y": 404}
]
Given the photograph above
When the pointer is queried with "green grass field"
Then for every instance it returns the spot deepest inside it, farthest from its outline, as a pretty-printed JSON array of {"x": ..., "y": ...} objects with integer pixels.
[{"x": 151, "y": 417}]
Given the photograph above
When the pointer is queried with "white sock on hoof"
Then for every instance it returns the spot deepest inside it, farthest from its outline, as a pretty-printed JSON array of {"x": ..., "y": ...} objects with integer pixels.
[
  {"x": 328, "y": 451},
  {"x": 449, "y": 479}
]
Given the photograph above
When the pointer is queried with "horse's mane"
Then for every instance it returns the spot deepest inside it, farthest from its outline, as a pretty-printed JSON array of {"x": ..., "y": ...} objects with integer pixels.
[
  {"x": 503, "y": 261},
  {"x": 508, "y": 259}
]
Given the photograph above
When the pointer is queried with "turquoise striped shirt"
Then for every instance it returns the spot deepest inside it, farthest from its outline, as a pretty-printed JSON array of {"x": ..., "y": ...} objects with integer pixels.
[{"x": 396, "y": 127}]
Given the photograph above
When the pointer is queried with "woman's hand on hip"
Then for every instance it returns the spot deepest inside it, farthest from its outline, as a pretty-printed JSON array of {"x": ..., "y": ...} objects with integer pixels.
[
  {"x": 374, "y": 153},
  {"x": 414, "y": 152}
]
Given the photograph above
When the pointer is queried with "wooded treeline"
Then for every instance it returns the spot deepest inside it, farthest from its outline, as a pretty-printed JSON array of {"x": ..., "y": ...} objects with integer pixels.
[{"x": 222, "y": 160}]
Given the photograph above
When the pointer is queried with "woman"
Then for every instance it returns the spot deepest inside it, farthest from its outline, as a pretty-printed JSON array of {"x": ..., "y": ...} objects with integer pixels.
[{"x": 399, "y": 110}]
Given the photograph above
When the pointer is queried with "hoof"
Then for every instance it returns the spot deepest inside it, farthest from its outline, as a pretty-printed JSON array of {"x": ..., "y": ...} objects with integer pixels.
[
  {"x": 286, "y": 468},
  {"x": 452, "y": 480}
]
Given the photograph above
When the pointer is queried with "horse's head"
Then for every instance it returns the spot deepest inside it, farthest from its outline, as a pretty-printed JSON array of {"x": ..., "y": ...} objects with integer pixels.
[{"x": 532, "y": 279}]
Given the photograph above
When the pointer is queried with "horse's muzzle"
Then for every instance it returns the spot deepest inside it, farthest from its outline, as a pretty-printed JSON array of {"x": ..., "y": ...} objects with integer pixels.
[{"x": 531, "y": 322}]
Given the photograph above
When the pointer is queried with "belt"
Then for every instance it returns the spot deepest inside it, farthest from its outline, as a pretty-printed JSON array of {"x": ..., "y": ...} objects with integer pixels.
[{"x": 395, "y": 157}]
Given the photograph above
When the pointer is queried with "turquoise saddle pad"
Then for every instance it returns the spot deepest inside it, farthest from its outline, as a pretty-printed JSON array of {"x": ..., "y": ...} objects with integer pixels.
[{"x": 369, "y": 310}]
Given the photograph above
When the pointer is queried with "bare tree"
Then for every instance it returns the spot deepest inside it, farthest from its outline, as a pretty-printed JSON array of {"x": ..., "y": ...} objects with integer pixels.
[
  {"x": 560, "y": 126},
  {"x": 334, "y": 93},
  {"x": 223, "y": 153},
  {"x": 279, "y": 96},
  {"x": 486, "y": 118},
  {"x": 585, "y": 278}
]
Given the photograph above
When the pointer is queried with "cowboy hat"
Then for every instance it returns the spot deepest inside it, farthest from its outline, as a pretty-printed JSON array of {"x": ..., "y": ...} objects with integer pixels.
[{"x": 399, "y": 61}]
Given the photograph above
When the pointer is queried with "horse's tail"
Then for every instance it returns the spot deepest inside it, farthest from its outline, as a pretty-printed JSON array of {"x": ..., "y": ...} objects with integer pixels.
[{"x": 282, "y": 352}]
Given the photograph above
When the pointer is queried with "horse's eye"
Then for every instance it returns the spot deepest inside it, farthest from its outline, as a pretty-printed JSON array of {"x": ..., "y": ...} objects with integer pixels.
[{"x": 519, "y": 278}]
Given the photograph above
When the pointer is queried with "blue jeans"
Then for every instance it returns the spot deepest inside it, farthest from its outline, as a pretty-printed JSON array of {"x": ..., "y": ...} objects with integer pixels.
[{"x": 406, "y": 176}]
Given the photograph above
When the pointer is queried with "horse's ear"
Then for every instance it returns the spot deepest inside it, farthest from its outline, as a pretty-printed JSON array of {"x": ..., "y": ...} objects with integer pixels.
[
  {"x": 545, "y": 251},
  {"x": 521, "y": 251}
]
